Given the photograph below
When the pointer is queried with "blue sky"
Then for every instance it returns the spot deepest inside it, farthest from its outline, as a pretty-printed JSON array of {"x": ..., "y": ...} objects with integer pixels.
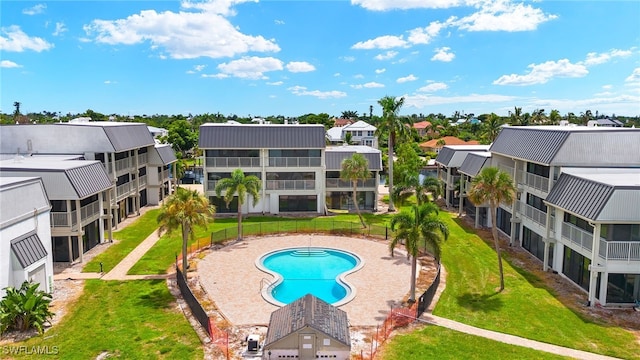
[{"x": 291, "y": 58}]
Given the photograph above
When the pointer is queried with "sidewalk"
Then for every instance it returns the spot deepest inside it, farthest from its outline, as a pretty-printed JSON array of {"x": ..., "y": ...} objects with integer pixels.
[{"x": 119, "y": 272}]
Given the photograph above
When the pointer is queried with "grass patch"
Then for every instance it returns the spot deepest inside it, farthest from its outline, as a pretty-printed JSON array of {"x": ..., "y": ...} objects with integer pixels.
[
  {"x": 434, "y": 342},
  {"x": 128, "y": 320},
  {"x": 525, "y": 308},
  {"x": 128, "y": 238}
]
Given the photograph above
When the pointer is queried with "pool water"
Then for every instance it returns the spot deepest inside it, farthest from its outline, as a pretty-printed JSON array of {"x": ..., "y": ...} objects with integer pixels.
[{"x": 310, "y": 270}]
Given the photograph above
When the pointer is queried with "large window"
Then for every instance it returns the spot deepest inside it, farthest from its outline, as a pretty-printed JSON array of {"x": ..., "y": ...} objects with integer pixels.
[
  {"x": 620, "y": 232},
  {"x": 536, "y": 202},
  {"x": 294, "y": 153},
  {"x": 534, "y": 243},
  {"x": 578, "y": 222},
  {"x": 503, "y": 221},
  {"x": 342, "y": 200},
  {"x": 232, "y": 153},
  {"x": 293, "y": 203},
  {"x": 538, "y": 169},
  {"x": 576, "y": 267},
  {"x": 221, "y": 206},
  {"x": 623, "y": 288}
]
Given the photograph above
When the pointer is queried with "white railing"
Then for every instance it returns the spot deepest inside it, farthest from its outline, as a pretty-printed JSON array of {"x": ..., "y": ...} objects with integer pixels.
[
  {"x": 211, "y": 185},
  {"x": 90, "y": 210},
  {"x": 339, "y": 183},
  {"x": 142, "y": 159},
  {"x": 63, "y": 219},
  {"x": 122, "y": 164},
  {"x": 530, "y": 212},
  {"x": 507, "y": 169},
  {"x": 123, "y": 189},
  {"x": 295, "y": 161},
  {"x": 143, "y": 180},
  {"x": 620, "y": 250},
  {"x": 291, "y": 184},
  {"x": 536, "y": 181},
  {"x": 232, "y": 162},
  {"x": 582, "y": 238}
]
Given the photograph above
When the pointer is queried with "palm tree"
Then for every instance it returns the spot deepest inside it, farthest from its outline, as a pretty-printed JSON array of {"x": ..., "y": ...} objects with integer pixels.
[
  {"x": 413, "y": 186},
  {"x": 494, "y": 186},
  {"x": 492, "y": 127},
  {"x": 395, "y": 127},
  {"x": 354, "y": 169},
  {"x": 516, "y": 116},
  {"x": 242, "y": 185},
  {"x": 185, "y": 209},
  {"x": 420, "y": 224}
]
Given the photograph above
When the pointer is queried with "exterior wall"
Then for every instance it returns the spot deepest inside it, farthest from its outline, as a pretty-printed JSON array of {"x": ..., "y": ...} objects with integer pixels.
[{"x": 323, "y": 345}]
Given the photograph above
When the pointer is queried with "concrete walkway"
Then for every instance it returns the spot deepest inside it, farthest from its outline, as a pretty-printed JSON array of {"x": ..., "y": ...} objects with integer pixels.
[{"x": 119, "y": 272}]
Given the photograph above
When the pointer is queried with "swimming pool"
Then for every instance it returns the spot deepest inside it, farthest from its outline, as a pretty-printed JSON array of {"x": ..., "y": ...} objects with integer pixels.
[{"x": 308, "y": 270}]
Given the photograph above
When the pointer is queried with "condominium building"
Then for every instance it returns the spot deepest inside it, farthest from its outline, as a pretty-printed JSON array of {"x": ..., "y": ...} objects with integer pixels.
[
  {"x": 448, "y": 161},
  {"x": 25, "y": 248},
  {"x": 339, "y": 193},
  {"x": 576, "y": 207}
]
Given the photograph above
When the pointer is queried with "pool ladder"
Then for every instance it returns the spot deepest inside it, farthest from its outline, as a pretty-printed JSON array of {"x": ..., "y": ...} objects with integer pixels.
[{"x": 266, "y": 281}]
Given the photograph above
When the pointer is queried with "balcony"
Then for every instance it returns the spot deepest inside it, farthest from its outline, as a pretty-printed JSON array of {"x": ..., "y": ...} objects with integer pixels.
[
  {"x": 142, "y": 159},
  {"x": 291, "y": 184},
  {"x": 123, "y": 190},
  {"x": 89, "y": 211},
  {"x": 536, "y": 181},
  {"x": 339, "y": 183},
  {"x": 122, "y": 164},
  {"x": 532, "y": 213},
  {"x": 620, "y": 250},
  {"x": 232, "y": 162},
  {"x": 63, "y": 219},
  {"x": 507, "y": 169},
  {"x": 574, "y": 234},
  {"x": 143, "y": 180},
  {"x": 295, "y": 161}
]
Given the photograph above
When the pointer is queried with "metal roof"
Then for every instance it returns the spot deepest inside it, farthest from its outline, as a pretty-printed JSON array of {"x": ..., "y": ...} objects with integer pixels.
[
  {"x": 308, "y": 311},
  {"x": 474, "y": 162},
  {"x": 454, "y": 155},
  {"x": 15, "y": 206},
  {"x": 248, "y": 136},
  {"x": 28, "y": 249},
  {"x": 529, "y": 143},
  {"x": 167, "y": 155},
  {"x": 88, "y": 180},
  {"x": 129, "y": 136},
  {"x": 578, "y": 195},
  {"x": 333, "y": 156},
  {"x": 445, "y": 155}
]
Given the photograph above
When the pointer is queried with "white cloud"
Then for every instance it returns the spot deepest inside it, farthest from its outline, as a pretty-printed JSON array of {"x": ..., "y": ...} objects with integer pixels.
[
  {"x": 8, "y": 64},
  {"x": 300, "y": 66},
  {"x": 337, "y": 74},
  {"x": 426, "y": 34},
  {"x": 110, "y": 82},
  {"x": 443, "y": 54},
  {"x": 14, "y": 39},
  {"x": 384, "y": 5},
  {"x": 386, "y": 56},
  {"x": 196, "y": 69},
  {"x": 358, "y": 76},
  {"x": 542, "y": 73},
  {"x": 634, "y": 78},
  {"x": 433, "y": 87},
  {"x": 381, "y": 42},
  {"x": 302, "y": 91},
  {"x": 380, "y": 71},
  {"x": 369, "y": 85},
  {"x": 596, "y": 59},
  {"x": 183, "y": 35},
  {"x": 275, "y": 83},
  {"x": 250, "y": 67},
  {"x": 348, "y": 58},
  {"x": 279, "y": 22},
  {"x": 607, "y": 87},
  {"x": 502, "y": 15},
  {"x": 420, "y": 100},
  {"x": 405, "y": 79},
  {"x": 60, "y": 28},
  {"x": 35, "y": 10}
]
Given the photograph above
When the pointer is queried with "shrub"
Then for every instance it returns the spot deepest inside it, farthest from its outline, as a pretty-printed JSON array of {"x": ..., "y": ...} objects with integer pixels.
[{"x": 24, "y": 308}]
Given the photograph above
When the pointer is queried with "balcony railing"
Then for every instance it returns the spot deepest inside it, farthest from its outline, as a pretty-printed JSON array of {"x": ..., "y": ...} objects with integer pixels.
[
  {"x": 90, "y": 210},
  {"x": 63, "y": 219},
  {"x": 143, "y": 180},
  {"x": 142, "y": 159},
  {"x": 536, "y": 181},
  {"x": 530, "y": 212},
  {"x": 291, "y": 184},
  {"x": 295, "y": 161},
  {"x": 620, "y": 250},
  {"x": 232, "y": 162},
  {"x": 574, "y": 234},
  {"x": 211, "y": 185},
  {"x": 122, "y": 190},
  {"x": 122, "y": 164},
  {"x": 339, "y": 183},
  {"x": 507, "y": 169}
]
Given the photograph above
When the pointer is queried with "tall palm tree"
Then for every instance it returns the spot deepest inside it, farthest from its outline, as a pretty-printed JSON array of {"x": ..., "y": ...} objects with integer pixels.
[
  {"x": 185, "y": 209},
  {"x": 493, "y": 186},
  {"x": 243, "y": 186},
  {"x": 395, "y": 127},
  {"x": 492, "y": 127},
  {"x": 421, "y": 189},
  {"x": 353, "y": 169},
  {"x": 419, "y": 224}
]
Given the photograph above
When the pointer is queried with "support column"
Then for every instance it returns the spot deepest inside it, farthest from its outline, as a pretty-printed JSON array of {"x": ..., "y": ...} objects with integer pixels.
[
  {"x": 463, "y": 180},
  {"x": 477, "y": 220},
  {"x": 110, "y": 215},
  {"x": 136, "y": 201},
  {"x": 546, "y": 240},
  {"x": 79, "y": 220},
  {"x": 595, "y": 266},
  {"x": 514, "y": 205}
]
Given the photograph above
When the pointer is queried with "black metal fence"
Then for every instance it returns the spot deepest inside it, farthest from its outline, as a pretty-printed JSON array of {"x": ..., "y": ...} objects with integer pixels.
[
  {"x": 427, "y": 297},
  {"x": 302, "y": 226},
  {"x": 196, "y": 309}
]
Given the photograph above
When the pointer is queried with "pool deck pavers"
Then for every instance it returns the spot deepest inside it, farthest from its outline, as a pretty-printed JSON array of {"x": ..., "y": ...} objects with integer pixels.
[{"x": 232, "y": 280}]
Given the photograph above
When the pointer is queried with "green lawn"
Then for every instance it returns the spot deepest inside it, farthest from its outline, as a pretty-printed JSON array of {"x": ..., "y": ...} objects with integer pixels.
[
  {"x": 128, "y": 238},
  {"x": 434, "y": 342},
  {"x": 525, "y": 308},
  {"x": 128, "y": 320}
]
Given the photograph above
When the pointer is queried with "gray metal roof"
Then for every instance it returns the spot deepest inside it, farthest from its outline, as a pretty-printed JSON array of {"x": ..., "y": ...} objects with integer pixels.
[
  {"x": 247, "y": 136},
  {"x": 167, "y": 155},
  {"x": 28, "y": 249},
  {"x": 583, "y": 197},
  {"x": 88, "y": 180},
  {"x": 454, "y": 155},
  {"x": 129, "y": 136},
  {"x": 445, "y": 155},
  {"x": 308, "y": 311},
  {"x": 473, "y": 163},
  {"x": 334, "y": 156},
  {"x": 529, "y": 143}
]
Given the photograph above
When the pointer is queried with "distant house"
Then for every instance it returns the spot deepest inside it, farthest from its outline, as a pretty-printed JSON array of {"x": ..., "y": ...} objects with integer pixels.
[
  {"x": 157, "y": 132},
  {"x": 423, "y": 128},
  {"x": 609, "y": 122},
  {"x": 436, "y": 144},
  {"x": 362, "y": 133},
  {"x": 343, "y": 122},
  {"x": 308, "y": 328}
]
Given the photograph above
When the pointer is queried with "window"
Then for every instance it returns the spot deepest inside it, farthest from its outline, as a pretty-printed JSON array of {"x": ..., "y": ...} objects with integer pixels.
[
  {"x": 232, "y": 153},
  {"x": 576, "y": 267},
  {"x": 622, "y": 288},
  {"x": 504, "y": 221},
  {"x": 221, "y": 206},
  {"x": 620, "y": 232},
  {"x": 578, "y": 222},
  {"x": 536, "y": 202},
  {"x": 533, "y": 243},
  {"x": 293, "y": 203},
  {"x": 538, "y": 169}
]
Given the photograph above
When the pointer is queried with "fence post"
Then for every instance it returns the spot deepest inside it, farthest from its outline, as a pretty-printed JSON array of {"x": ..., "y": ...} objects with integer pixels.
[{"x": 386, "y": 232}]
